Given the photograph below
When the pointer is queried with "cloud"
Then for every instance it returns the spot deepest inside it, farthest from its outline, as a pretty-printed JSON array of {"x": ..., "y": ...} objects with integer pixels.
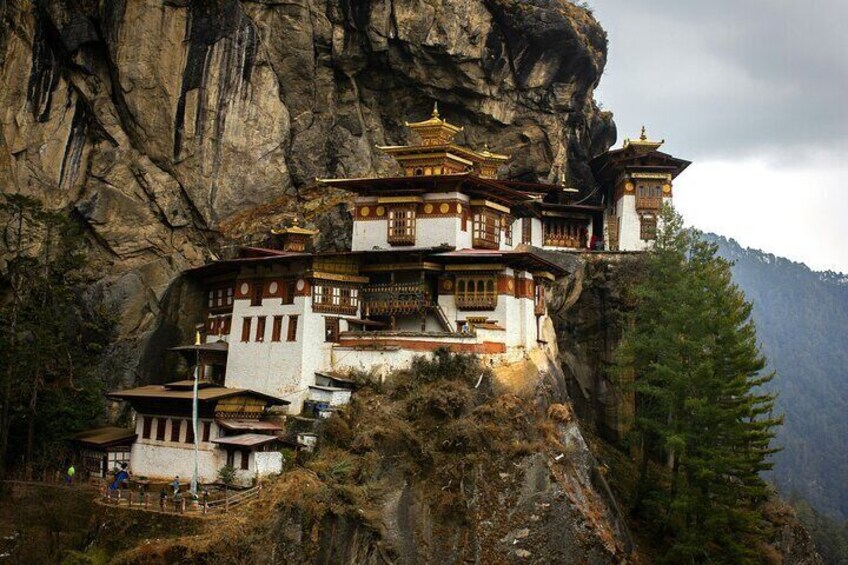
[
  {"x": 729, "y": 78},
  {"x": 794, "y": 212},
  {"x": 754, "y": 92}
]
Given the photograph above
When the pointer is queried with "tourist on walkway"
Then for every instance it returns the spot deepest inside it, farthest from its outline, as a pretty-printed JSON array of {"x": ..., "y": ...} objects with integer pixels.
[
  {"x": 176, "y": 485},
  {"x": 70, "y": 476}
]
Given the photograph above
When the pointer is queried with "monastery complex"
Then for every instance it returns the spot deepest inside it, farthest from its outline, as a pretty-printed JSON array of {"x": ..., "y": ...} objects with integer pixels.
[{"x": 445, "y": 256}]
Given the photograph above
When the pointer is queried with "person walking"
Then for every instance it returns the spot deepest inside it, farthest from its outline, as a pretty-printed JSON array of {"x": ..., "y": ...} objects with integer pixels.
[
  {"x": 176, "y": 485},
  {"x": 69, "y": 479}
]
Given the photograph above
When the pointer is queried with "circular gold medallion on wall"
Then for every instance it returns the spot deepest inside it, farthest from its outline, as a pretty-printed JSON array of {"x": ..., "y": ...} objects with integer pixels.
[
  {"x": 628, "y": 186},
  {"x": 428, "y": 208},
  {"x": 510, "y": 284},
  {"x": 444, "y": 208},
  {"x": 459, "y": 208},
  {"x": 447, "y": 284},
  {"x": 380, "y": 211},
  {"x": 666, "y": 188},
  {"x": 365, "y": 211}
]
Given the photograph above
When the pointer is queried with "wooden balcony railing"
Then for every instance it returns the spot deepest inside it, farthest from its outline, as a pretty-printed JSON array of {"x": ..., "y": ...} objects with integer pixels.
[
  {"x": 560, "y": 240},
  {"x": 648, "y": 203},
  {"x": 477, "y": 301},
  {"x": 485, "y": 243},
  {"x": 396, "y": 299}
]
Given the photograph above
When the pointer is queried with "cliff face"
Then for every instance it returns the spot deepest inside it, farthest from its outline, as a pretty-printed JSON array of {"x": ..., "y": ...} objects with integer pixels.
[{"x": 153, "y": 120}]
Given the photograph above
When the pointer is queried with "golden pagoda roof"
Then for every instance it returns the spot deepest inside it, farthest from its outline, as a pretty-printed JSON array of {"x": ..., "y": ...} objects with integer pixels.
[
  {"x": 486, "y": 154},
  {"x": 295, "y": 230},
  {"x": 434, "y": 122},
  {"x": 643, "y": 143}
]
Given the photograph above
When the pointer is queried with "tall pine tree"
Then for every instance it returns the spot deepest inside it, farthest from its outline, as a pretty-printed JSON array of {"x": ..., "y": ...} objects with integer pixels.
[{"x": 701, "y": 411}]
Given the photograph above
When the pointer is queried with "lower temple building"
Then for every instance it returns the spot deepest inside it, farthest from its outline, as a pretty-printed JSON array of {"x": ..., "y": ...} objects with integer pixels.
[{"x": 445, "y": 256}]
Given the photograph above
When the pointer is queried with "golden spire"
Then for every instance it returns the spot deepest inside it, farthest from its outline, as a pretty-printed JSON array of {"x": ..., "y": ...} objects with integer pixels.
[
  {"x": 643, "y": 144},
  {"x": 435, "y": 109}
]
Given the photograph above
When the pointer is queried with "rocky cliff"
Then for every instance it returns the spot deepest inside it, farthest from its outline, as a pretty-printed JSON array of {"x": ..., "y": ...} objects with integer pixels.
[{"x": 152, "y": 121}]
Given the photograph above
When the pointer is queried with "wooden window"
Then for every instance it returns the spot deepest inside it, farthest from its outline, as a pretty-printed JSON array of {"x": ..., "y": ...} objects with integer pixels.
[
  {"x": 231, "y": 457},
  {"x": 189, "y": 432},
  {"x": 527, "y": 230},
  {"x": 277, "y": 328},
  {"x": 160, "y": 429},
  {"x": 226, "y": 325},
  {"x": 539, "y": 299},
  {"x": 229, "y": 296},
  {"x": 401, "y": 225},
  {"x": 289, "y": 290},
  {"x": 648, "y": 197},
  {"x": 207, "y": 430},
  {"x": 256, "y": 289},
  {"x": 487, "y": 229},
  {"x": 464, "y": 220},
  {"x": 146, "y": 424},
  {"x": 331, "y": 329},
  {"x": 292, "y": 331},
  {"x": 476, "y": 293},
  {"x": 508, "y": 220},
  {"x": 647, "y": 227},
  {"x": 245, "y": 459},
  {"x": 612, "y": 232},
  {"x": 245, "y": 329},
  {"x": 211, "y": 301},
  {"x": 561, "y": 232},
  {"x": 335, "y": 299},
  {"x": 260, "y": 328},
  {"x": 176, "y": 428}
]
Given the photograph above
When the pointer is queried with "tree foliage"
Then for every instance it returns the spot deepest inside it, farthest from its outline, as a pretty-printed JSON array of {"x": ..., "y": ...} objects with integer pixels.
[
  {"x": 700, "y": 410},
  {"x": 52, "y": 337}
]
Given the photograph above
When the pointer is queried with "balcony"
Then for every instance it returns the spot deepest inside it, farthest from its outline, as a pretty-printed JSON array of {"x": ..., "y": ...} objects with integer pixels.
[
  {"x": 652, "y": 203},
  {"x": 396, "y": 299},
  {"x": 563, "y": 240},
  {"x": 477, "y": 301}
]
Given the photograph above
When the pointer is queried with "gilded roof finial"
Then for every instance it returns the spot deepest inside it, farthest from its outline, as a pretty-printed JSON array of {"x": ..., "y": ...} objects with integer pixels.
[
  {"x": 644, "y": 136},
  {"x": 435, "y": 109}
]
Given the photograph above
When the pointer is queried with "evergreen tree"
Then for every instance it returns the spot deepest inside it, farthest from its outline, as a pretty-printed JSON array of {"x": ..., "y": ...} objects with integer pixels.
[
  {"x": 52, "y": 336},
  {"x": 701, "y": 411}
]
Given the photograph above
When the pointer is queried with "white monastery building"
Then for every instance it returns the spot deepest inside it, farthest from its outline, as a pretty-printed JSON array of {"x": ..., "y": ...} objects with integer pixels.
[{"x": 444, "y": 256}]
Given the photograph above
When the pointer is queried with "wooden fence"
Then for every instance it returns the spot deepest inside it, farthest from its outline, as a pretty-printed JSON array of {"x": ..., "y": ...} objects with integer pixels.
[{"x": 178, "y": 504}]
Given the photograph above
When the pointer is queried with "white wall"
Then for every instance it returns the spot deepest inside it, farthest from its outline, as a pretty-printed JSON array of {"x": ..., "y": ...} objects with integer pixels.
[
  {"x": 267, "y": 462},
  {"x": 536, "y": 236},
  {"x": 274, "y": 368},
  {"x": 164, "y": 459},
  {"x": 629, "y": 225}
]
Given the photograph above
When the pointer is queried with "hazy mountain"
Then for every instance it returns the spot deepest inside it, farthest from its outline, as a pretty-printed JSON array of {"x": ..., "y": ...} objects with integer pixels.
[{"x": 802, "y": 322}]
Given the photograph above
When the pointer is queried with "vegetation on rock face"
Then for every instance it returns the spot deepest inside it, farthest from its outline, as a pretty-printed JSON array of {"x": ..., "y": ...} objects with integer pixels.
[
  {"x": 700, "y": 406},
  {"x": 51, "y": 339},
  {"x": 435, "y": 464}
]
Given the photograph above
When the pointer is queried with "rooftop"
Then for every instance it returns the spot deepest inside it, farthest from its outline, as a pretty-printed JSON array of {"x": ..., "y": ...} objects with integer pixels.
[
  {"x": 105, "y": 437},
  {"x": 246, "y": 440},
  {"x": 181, "y": 391}
]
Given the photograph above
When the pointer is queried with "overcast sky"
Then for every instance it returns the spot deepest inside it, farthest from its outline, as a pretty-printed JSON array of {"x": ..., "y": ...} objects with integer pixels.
[{"x": 755, "y": 93}]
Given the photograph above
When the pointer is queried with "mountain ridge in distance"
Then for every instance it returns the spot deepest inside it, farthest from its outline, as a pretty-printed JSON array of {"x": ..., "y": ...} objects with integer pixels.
[{"x": 802, "y": 317}]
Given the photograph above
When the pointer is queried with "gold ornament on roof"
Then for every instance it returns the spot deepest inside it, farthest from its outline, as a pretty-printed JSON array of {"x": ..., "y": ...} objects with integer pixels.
[{"x": 643, "y": 144}]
